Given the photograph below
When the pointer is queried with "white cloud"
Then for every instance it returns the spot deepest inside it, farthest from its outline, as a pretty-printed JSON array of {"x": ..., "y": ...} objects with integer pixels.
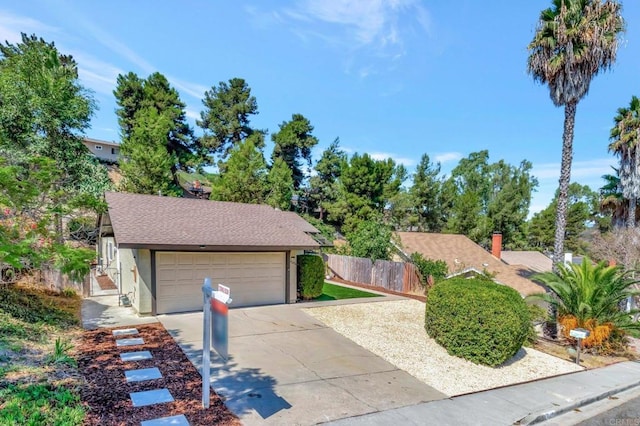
[
  {"x": 12, "y": 25},
  {"x": 447, "y": 157},
  {"x": 192, "y": 89},
  {"x": 96, "y": 74},
  {"x": 194, "y": 115},
  {"x": 586, "y": 172},
  {"x": 580, "y": 170},
  {"x": 380, "y": 156},
  {"x": 365, "y": 22}
]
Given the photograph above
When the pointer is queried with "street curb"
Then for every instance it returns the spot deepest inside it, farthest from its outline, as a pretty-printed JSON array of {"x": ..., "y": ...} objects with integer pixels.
[{"x": 535, "y": 418}]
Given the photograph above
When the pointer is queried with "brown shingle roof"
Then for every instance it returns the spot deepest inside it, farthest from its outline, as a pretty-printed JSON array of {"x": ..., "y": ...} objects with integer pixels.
[
  {"x": 531, "y": 259},
  {"x": 460, "y": 253},
  {"x": 179, "y": 223}
]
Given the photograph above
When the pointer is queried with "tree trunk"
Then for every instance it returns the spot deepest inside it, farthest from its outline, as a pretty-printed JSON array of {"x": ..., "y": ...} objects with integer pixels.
[
  {"x": 631, "y": 219},
  {"x": 561, "y": 213}
]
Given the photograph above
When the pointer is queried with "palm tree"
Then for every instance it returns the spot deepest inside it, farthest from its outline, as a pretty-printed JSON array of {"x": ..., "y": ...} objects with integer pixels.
[
  {"x": 574, "y": 41},
  {"x": 590, "y": 295},
  {"x": 612, "y": 201},
  {"x": 625, "y": 136}
]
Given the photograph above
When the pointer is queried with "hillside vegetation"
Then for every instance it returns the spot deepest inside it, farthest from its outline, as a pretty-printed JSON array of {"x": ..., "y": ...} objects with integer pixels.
[{"x": 39, "y": 383}]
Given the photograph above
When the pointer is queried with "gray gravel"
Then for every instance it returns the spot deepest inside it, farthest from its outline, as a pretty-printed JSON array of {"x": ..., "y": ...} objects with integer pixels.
[{"x": 394, "y": 330}]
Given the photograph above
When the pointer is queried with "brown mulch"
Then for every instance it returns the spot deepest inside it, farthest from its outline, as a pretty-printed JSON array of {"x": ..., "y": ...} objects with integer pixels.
[
  {"x": 106, "y": 392},
  {"x": 105, "y": 282}
]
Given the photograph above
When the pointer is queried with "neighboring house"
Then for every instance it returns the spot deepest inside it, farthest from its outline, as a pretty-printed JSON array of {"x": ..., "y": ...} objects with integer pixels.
[
  {"x": 103, "y": 150},
  {"x": 464, "y": 257},
  {"x": 158, "y": 250},
  {"x": 533, "y": 260}
]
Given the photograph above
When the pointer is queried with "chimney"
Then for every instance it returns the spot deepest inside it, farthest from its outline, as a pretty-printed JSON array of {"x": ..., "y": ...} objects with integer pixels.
[{"x": 496, "y": 245}]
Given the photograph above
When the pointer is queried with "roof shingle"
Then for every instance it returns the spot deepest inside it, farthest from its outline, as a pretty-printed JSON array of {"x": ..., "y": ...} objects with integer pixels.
[
  {"x": 167, "y": 222},
  {"x": 460, "y": 253}
]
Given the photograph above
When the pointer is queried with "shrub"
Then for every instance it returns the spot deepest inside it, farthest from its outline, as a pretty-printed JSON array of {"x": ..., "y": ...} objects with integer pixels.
[
  {"x": 438, "y": 269},
  {"x": 484, "y": 322},
  {"x": 310, "y": 275},
  {"x": 589, "y": 296}
]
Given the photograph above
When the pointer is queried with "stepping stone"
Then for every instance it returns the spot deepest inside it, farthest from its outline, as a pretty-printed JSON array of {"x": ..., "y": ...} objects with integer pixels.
[
  {"x": 135, "y": 356},
  {"x": 125, "y": 331},
  {"x": 180, "y": 420},
  {"x": 142, "y": 374},
  {"x": 150, "y": 397},
  {"x": 130, "y": 342}
]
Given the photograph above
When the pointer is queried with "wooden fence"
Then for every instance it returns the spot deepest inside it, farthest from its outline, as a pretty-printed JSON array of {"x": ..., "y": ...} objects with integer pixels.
[{"x": 396, "y": 276}]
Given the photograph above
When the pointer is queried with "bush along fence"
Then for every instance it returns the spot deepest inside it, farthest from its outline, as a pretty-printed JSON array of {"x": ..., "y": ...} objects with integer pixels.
[{"x": 396, "y": 276}]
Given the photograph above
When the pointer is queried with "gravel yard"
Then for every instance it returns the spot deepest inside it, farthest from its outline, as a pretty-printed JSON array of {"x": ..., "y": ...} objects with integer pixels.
[{"x": 394, "y": 330}]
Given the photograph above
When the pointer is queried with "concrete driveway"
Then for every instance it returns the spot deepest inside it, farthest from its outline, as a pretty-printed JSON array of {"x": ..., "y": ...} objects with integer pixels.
[{"x": 286, "y": 367}]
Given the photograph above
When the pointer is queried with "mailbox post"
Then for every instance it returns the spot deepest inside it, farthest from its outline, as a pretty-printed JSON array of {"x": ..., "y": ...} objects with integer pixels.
[
  {"x": 214, "y": 323},
  {"x": 579, "y": 334}
]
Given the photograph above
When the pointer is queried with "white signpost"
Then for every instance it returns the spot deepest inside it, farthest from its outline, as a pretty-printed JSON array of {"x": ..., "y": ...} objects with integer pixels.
[
  {"x": 579, "y": 334},
  {"x": 214, "y": 323}
]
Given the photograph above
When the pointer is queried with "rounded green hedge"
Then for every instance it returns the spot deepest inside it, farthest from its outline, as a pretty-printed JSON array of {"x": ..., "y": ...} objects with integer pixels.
[
  {"x": 310, "y": 275},
  {"x": 479, "y": 320}
]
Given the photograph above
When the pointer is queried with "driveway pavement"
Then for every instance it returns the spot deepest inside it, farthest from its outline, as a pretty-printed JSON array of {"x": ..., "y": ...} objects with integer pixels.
[{"x": 286, "y": 367}]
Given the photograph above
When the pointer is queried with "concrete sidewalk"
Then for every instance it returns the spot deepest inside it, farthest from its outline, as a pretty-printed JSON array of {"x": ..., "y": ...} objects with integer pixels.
[{"x": 524, "y": 404}]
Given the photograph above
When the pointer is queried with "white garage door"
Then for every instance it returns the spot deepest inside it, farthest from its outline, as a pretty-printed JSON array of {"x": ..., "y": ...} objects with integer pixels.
[{"x": 254, "y": 278}]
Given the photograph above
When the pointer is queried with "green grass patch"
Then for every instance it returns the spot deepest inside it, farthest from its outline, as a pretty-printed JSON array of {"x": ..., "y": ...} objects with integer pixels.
[
  {"x": 40, "y": 404},
  {"x": 337, "y": 292}
]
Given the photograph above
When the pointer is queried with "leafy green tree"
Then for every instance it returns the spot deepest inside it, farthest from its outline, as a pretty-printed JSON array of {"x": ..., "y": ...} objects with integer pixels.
[
  {"x": 425, "y": 193},
  {"x": 43, "y": 112},
  {"x": 582, "y": 207},
  {"x": 30, "y": 203},
  {"x": 279, "y": 185},
  {"x": 574, "y": 41},
  {"x": 365, "y": 184},
  {"x": 324, "y": 190},
  {"x": 371, "y": 240},
  {"x": 136, "y": 96},
  {"x": 293, "y": 144},
  {"x": 625, "y": 137},
  {"x": 591, "y": 295},
  {"x": 227, "y": 115},
  {"x": 147, "y": 169},
  {"x": 488, "y": 197},
  {"x": 244, "y": 180}
]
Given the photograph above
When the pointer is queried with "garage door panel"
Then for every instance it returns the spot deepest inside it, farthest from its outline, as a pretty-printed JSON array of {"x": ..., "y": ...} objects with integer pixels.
[{"x": 254, "y": 278}]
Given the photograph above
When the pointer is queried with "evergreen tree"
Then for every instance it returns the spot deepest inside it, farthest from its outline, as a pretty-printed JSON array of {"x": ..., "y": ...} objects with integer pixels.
[
  {"x": 244, "y": 179},
  {"x": 425, "y": 195},
  {"x": 293, "y": 144},
  {"x": 226, "y": 117},
  {"x": 147, "y": 169},
  {"x": 280, "y": 185},
  {"x": 324, "y": 185},
  {"x": 134, "y": 95}
]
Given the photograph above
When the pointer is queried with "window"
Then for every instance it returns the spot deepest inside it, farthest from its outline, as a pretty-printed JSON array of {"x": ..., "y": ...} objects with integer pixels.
[
  {"x": 98, "y": 147},
  {"x": 114, "y": 151},
  {"x": 109, "y": 251}
]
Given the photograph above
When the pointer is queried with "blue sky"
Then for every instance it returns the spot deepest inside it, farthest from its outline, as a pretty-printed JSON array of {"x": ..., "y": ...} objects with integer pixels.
[{"x": 395, "y": 78}]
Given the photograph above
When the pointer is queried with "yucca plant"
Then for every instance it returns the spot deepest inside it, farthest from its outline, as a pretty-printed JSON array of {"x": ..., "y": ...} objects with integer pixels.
[{"x": 590, "y": 296}]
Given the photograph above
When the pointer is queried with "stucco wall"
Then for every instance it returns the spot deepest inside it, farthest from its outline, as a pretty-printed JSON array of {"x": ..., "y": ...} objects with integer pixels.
[
  {"x": 293, "y": 275},
  {"x": 136, "y": 278},
  {"x": 143, "y": 262},
  {"x": 128, "y": 278}
]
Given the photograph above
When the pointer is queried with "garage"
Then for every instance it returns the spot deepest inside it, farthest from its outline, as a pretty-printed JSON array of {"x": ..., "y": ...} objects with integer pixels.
[
  {"x": 159, "y": 250},
  {"x": 254, "y": 278}
]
